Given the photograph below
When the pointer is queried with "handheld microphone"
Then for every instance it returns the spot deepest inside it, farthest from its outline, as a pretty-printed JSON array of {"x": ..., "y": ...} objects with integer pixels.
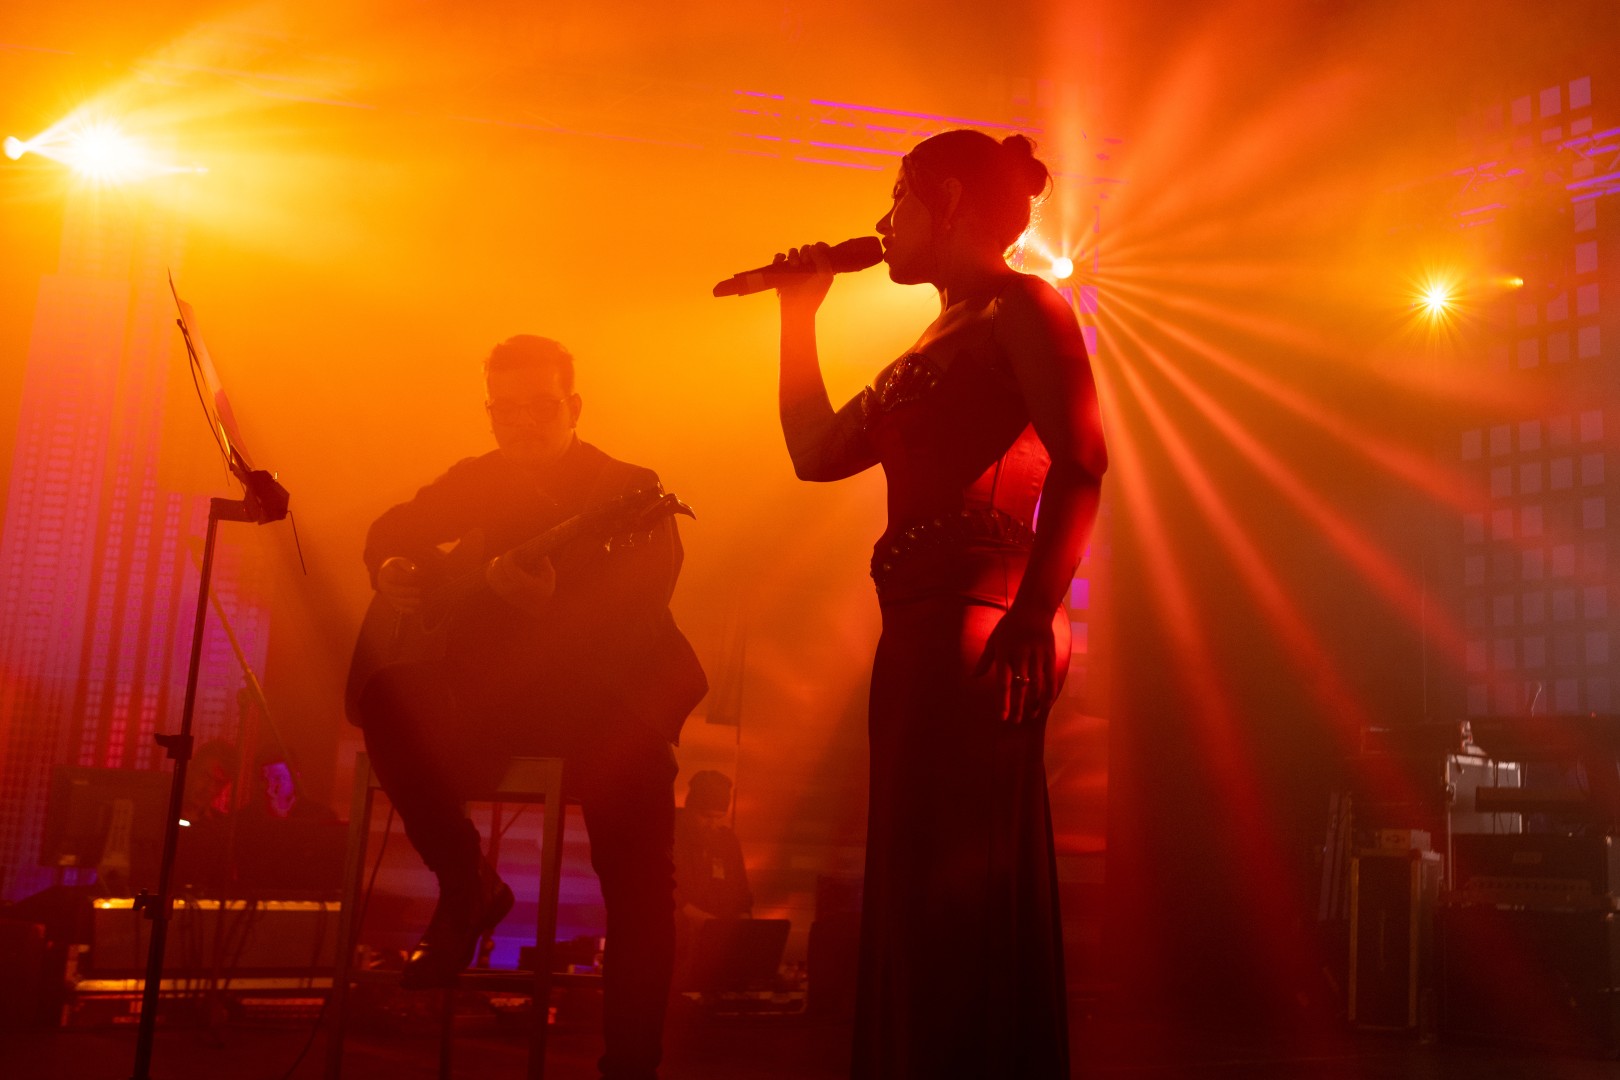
[{"x": 851, "y": 255}]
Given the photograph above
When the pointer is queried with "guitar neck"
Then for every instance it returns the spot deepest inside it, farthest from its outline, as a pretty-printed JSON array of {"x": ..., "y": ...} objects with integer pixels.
[
  {"x": 557, "y": 536},
  {"x": 600, "y": 521}
]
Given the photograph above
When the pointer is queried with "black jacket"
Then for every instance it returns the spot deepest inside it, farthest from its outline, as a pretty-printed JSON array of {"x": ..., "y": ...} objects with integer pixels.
[{"x": 607, "y": 636}]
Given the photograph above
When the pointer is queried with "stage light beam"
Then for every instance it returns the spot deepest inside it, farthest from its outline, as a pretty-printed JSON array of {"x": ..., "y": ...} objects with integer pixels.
[
  {"x": 1062, "y": 267},
  {"x": 15, "y": 147}
]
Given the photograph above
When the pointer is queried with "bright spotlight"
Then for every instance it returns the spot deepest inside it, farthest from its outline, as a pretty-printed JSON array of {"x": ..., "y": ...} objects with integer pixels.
[
  {"x": 96, "y": 149},
  {"x": 1062, "y": 267},
  {"x": 1436, "y": 297},
  {"x": 1515, "y": 282},
  {"x": 101, "y": 152}
]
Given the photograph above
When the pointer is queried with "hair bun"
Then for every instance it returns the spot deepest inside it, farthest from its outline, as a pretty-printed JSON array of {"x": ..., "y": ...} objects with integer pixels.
[
  {"x": 1019, "y": 144},
  {"x": 1019, "y": 153}
]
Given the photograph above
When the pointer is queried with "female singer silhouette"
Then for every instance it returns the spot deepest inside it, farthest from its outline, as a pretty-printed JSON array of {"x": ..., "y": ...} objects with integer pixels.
[{"x": 989, "y": 416}]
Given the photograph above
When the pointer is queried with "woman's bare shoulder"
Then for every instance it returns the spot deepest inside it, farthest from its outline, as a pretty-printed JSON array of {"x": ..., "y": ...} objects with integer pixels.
[
  {"x": 1030, "y": 296},
  {"x": 1030, "y": 313}
]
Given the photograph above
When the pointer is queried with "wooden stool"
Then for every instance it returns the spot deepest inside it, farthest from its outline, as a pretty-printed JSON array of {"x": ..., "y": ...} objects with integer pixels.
[{"x": 527, "y": 780}]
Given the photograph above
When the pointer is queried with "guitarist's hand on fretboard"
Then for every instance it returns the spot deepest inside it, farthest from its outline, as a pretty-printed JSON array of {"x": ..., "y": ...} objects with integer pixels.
[
  {"x": 527, "y": 588},
  {"x": 400, "y": 583}
]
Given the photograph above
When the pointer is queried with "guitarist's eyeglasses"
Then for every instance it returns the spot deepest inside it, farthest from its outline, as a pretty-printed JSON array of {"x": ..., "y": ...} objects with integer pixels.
[{"x": 541, "y": 410}]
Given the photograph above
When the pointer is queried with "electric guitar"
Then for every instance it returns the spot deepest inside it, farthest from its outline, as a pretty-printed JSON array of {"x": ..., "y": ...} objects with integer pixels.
[{"x": 455, "y": 594}]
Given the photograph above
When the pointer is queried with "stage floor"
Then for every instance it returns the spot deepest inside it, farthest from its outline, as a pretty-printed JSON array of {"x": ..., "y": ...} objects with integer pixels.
[{"x": 797, "y": 1048}]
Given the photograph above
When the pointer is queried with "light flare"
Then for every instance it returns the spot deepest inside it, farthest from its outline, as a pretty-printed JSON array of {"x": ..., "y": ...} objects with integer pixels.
[
  {"x": 1445, "y": 300},
  {"x": 1032, "y": 251},
  {"x": 97, "y": 149},
  {"x": 1436, "y": 297},
  {"x": 100, "y": 151},
  {"x": 1412, "y": 467}
]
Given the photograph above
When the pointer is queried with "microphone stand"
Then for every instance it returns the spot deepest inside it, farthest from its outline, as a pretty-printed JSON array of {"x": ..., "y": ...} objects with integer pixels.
[{"x": 263, "y": 501}]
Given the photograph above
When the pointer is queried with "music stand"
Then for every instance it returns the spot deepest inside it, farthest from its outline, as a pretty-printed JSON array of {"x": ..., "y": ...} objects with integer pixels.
[{"x": 263, "y": 501}]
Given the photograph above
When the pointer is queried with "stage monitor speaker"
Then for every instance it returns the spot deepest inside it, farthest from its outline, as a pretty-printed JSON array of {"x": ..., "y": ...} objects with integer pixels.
[
  {"x": 1538, "y": 870},
  {"x": 834, "y": 957},
  {"x": 1392, "y": 902},
  {"x": 25, "y": 969},
  {"x": 1548, "y": 979}
]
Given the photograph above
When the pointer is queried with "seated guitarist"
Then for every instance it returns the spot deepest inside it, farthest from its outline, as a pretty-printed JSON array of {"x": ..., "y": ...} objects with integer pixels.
[{"x": 575, "y": 654}]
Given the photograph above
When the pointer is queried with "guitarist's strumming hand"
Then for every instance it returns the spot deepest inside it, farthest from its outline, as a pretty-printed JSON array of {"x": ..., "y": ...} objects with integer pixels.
[
  {"x": 400, "y": 583},
  {"x": 527, "y": 588}
]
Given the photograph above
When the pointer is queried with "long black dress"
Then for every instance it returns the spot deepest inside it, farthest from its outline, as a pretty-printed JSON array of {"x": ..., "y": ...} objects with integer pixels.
[{"x": 961, "y": 969}]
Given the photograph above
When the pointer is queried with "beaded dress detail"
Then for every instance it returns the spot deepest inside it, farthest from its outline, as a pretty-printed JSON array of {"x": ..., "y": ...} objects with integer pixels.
[
  {"x": 910, "y": 378},
  {"x": 965, "y": 471}
]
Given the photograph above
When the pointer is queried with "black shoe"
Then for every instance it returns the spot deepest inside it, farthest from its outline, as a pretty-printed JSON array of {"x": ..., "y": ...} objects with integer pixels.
[{"x": 466, "y": 912}]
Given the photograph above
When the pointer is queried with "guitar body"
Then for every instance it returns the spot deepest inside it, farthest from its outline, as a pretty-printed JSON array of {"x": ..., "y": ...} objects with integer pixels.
[
  {"x": 388, "y": 637},
  {"x": 462, "y": 625}
]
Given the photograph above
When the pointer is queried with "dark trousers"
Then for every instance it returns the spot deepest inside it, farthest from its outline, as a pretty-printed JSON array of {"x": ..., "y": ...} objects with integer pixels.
[{"x": 432, "y": 746}]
